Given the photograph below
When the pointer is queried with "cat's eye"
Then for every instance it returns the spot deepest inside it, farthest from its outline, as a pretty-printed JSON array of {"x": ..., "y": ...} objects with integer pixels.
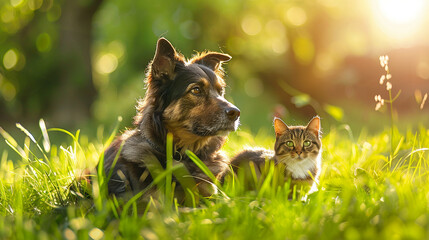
[
  {"x": 196, "y": 90},
  {"x": 289, "y": 144},
  {"x": 307, "y": 143}
]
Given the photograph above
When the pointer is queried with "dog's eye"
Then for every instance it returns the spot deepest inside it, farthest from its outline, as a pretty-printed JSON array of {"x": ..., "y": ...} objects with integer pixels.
[
  {"x": 196, "y": 90},
  {"x": 307, "y": 143}
]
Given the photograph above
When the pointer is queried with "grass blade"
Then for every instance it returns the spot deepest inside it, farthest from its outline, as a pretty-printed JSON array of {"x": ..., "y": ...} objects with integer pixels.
[
  {"x": 169, "y": 154},
  {"x": 202, "y": 166},
  {"x": 20, "y": 127},
  {"x": 46, "y": 142}
]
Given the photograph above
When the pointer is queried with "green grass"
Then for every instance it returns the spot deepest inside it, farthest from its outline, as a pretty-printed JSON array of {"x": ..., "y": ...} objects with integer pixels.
[{"x": 363, "y": 194}]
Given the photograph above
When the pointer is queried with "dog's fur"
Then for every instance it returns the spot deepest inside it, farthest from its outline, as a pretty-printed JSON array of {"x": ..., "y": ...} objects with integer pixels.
[{"x": 185, "y": 98}]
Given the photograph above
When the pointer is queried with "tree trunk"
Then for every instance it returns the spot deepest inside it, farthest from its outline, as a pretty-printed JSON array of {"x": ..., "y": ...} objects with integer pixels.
[{"x": 71, "y": 103}]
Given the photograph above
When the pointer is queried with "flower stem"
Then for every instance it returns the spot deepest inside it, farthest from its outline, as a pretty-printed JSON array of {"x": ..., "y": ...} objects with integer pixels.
[{"x": 391, "y": 127}]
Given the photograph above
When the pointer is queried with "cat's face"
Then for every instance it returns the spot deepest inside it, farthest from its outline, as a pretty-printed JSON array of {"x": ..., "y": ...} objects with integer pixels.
[{"x": 296, "y": 144}]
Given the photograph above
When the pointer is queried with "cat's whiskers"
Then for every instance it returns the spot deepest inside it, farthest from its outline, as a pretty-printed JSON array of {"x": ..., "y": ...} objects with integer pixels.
[{"x": 297, "y": 152}]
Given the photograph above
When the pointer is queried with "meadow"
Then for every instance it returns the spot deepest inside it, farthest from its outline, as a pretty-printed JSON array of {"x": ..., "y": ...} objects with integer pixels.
[
  {"x": 78, "y": 64},
  {"x": 367, "y": 191}
]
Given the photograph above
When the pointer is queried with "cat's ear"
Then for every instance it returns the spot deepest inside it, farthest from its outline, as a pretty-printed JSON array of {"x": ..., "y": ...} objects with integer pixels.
[
  {"x": 314, "y": 126},
  {"x": 164, "y": 60},
  {"x": 280, "y": 127}
]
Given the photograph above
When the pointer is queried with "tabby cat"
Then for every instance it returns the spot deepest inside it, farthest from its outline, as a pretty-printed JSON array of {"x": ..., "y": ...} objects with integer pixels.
[{"x": 297, "y": 150}]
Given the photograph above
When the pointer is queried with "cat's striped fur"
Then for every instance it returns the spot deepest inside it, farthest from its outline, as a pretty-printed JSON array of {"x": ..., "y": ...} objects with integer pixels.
[{"x": 297, "y": 148}]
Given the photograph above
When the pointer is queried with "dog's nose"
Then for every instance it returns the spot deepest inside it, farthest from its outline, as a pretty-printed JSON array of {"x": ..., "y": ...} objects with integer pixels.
[{"x": 233, "y": 113}]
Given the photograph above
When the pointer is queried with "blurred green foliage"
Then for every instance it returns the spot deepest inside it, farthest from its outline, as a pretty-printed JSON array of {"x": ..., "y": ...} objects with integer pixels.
[{"x": 317, "y": 48}]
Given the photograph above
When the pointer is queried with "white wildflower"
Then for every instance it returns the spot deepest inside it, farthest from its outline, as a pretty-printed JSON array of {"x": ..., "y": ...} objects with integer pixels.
[
  {"x": 388, "y": 86},
  {"x": 378, "y": 106},
  {"x": 382, "y": 78},
  {"x": 382, "y": 61},
  {"x": 388, "y": 76}
]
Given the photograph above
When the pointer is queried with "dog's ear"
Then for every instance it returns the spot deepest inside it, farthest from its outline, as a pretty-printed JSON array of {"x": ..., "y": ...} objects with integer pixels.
[
  {"x": 164, "y": 61},
  {"x": 213, "y": 60}
]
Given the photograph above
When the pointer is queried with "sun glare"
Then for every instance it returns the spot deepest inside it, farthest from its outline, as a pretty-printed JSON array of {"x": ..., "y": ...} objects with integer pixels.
[
  {"x": 401, "y": 11},
  {"x": 400, "y": 19}
]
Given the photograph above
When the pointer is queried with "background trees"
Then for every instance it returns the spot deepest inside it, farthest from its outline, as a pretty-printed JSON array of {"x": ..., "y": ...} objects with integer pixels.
[{"x": 71, "y": 62}]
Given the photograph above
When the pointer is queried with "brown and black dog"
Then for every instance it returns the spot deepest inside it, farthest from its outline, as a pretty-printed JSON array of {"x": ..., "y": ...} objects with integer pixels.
[{"x": 185, "y": 98}]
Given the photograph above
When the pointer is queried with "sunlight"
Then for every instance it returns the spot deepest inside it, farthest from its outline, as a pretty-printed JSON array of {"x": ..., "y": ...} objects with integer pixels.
[
  {"x": 400, "y": 19},
  {"x": 400, "y": 11}
]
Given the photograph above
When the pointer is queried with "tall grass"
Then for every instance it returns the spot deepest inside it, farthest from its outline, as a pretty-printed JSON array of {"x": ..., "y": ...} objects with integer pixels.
[{"x": 362, "y": 194}]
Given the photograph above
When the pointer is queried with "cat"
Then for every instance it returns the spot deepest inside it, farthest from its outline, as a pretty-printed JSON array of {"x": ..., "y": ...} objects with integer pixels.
[{"x": 297, "y": 150}]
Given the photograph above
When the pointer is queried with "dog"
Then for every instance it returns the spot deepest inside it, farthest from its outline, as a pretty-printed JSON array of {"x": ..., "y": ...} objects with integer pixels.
[{"x": 184, "y": 98}]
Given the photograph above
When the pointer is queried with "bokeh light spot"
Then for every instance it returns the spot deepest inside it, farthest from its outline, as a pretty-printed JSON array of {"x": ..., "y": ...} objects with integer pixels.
[
  {"x": 251, "y": 25},
  {"x": 8, "y": 91},
  {"x": 34, "y": 4},
  {"x": 303, "y": 49},
  {"x": 117, "y": 48},
  {"x": 106, "y": 64},
  {"x": 325, "y": 62},
  {"x": 280, "y": 46},
  {"x": 43, "y": 42},
  {"x": 79, "y": 223},
  {"x": 7, "y": 14},
  {"x": 296, "y": 16},
  {"x": 275, "y": 28},
  {"x": 96, "y": 234},
  {"x": 16, "y": 3},
  {"x": 69, "y": 234},
  {"x": 10, "y": 59},
  {"x": 54, "y": 13}
]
